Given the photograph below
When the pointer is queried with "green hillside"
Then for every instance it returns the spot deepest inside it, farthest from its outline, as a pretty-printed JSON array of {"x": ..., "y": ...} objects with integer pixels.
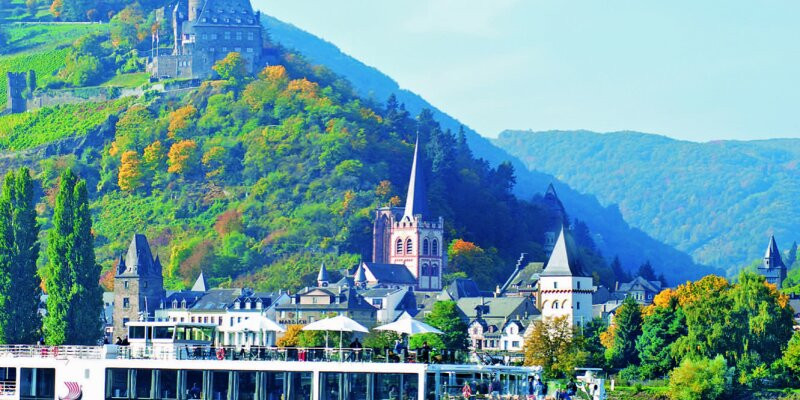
[
  {"x": 257, "y": 179},
  {"x": 718, "y": 201}
]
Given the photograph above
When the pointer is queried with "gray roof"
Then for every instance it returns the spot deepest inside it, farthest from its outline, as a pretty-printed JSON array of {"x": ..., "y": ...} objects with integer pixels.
[
  {"x": 463, "y": 287},
  {"x": 391, "y": 273},
  {"x": 200, "y": 285},
  {"x": 139, "y": 259},
  {"x": 348, "y": 299},
  {"x": 360, "y": 276},
  {"x": 416, "y": 198},
  {"x": 773, "y": 255},
  {"x": 564, "y": 261},
  {"x": 323, "y": 276},
  {"x": 640, "y": 283},
  {"x": 497, "y": 307}
]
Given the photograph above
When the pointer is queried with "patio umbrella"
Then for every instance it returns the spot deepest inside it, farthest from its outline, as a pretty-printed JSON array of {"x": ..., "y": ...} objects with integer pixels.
[
  {"x": 339, "y": 324},
  {"x": 409, "y": 326},
  {"x": 258, "y": 323}
]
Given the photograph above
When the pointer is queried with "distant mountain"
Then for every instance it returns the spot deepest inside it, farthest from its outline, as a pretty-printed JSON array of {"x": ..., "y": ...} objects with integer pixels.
[
  {"x": 632, "y": 245},
  {"x": 718, "y": 201}
]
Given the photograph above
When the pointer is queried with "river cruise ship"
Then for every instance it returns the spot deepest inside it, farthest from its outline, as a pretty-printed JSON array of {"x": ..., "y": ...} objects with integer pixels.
[{"x": 179, "y": 361}]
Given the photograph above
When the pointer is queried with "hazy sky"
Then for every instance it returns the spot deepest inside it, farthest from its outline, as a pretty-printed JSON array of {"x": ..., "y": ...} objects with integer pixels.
[{"x": 696, "y": 70}]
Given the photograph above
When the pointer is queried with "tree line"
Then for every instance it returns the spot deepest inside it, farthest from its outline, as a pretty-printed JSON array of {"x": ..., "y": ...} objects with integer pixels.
[{"x": 70, "y": 279}]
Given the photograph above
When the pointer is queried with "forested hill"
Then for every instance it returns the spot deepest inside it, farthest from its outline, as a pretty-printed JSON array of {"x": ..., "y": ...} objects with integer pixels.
[
  {"x": 719, "y": 200},
  {"x": 632, "y": 245}
]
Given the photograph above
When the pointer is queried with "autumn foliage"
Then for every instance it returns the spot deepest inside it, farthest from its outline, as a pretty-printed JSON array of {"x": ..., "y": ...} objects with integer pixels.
[
  {"x": 182, "y": 156},
  {"x": 179, "y": 120},
  {"x": 130, "y": 174}
]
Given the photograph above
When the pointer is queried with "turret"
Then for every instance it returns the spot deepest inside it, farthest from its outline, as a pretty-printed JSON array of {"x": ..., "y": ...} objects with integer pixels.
[
  {"x": 322, "y": 277},
  {"x": 195, "y": 6}
]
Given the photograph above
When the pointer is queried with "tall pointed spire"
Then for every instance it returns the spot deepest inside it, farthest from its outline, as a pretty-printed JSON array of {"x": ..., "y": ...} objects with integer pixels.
[
  {"x": 772, "y": 257},
  {"x": 416, "y": 198},
  {"x": 200, "y": 285},
  {"x": 322, "y": 277},
  {"x": 564, "y": 260}
]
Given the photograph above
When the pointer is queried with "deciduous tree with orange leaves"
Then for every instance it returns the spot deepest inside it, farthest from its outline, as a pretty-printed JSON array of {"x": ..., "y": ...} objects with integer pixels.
[
  {"x": 130, "y": 172},
  {"x": 179, "y": 120},
  {"x": 182, "y": 157}
]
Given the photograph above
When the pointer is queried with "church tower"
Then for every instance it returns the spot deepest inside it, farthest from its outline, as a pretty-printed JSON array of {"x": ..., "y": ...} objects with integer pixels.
[
  {"x": 138, "y": 285},
  {"x": 564, "y": 287},
  {"x": 557, "y": 218},
  {"x": 773, "y": 267},
  {"x": 410, "y": 236}
]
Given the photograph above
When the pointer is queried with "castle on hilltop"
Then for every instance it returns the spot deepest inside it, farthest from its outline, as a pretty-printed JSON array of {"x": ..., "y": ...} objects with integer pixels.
[{"x": 205, "y": 31}]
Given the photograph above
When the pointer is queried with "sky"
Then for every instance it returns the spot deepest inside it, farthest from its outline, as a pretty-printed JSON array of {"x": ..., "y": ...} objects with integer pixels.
[{"x": 687, "y": 69}]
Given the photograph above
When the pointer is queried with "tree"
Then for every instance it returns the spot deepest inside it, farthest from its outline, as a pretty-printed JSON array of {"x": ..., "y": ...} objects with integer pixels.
[
  {"x": 627, "y": 328},
  {"x": 56, "y": 8},
  {"x": 555, "y": 345},
  {"x": 791, "y": 357},
  {"x": 446, "y": 318},
  {"x": 6, "y": 259},
  {"x": 3, "y": 40},
  {"x": 22, "y": 308},
  {"x": 74, "y": 301},
  {"x": 620, "y": 274},
  {"x": 646, "y": 271},
  {"x": 31, "y": 5},
  {"x": 182, "y": 157},
  {"x": 179, "y": 120},
  {"x": 380, "y": 340},
  {"x": 130, "y": 173},
  {"x": 475, "y": 262},
  {"x": 660, "y": 329},
  {"x": 289, "y": 338},
  {"x": 231, "y": 68},
  {"x": 701, "y": 379},
  {"x": 791, "y": 257}
]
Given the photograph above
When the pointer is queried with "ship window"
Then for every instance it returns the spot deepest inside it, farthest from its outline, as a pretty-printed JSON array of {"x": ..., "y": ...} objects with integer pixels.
[
  {"x": 136, "y": 332},
  {"x": 118, "y": 383},
  {"x": 555, "y": 285},
  {"x": 435, "y": 248},
  {"x": 144, "y": 383}
]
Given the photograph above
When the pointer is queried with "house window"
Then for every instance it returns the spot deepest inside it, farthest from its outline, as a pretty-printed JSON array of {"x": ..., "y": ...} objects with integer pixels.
[
  {"x": 145, "y": 284},
  {"x": 314, "y": 300},
  {"x": 125, "y": 321},
  {"x": 435, "y": 248},
  {"x": 409, "y": 246},
  {"x": 238, "y": 49},
  {"x": 192, "y": 319},
  {"x": 224, "y": 49},
  {"x": 249, "y": 35},
  {"x": 579, "y": 284},
  {"x": 399, "y": 249},
  {"x": 515, "y": 343},
  {"x": 555, "y": 285},
  {"x": 377, "y": 303},
  {"x": 204, "y": 36},
  {"x": 126, "y": 302},
  {"x": 238, "y": 35},
  {"x": 213, "y": 36},
  {"x": 578, "y": 305},
  {"x": 227, "y": 35},
  {"x": 219, "y": 321},
  {"x": 249, "y": 49},
  {"x": 425, "y": 247},
  {"x": 555, "y": 305},
  {"x": 126, "y": 284},
  {"x": 183, "y": 303}
]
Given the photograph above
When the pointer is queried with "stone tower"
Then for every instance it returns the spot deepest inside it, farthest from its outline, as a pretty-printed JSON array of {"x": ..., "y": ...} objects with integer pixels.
[
  {"x": 138, "y": 285},
  {"x": 410, "y": 236},
  {"x": 564, "y": 287},
  {"x": 17, "y": 85},
  {"x": 557, "y": 218},
  {"x": 773, "y": 267}
]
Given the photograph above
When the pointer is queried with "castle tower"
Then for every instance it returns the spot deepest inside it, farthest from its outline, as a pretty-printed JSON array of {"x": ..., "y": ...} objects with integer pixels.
[
  {"x": 195, "y": 6},
  {"x": 564, "y": 287},
  {"x": 413, "y": 238},
  {"x": 773, "y": 267},
  {"x": 322, "y": 277},
  {"x": 138, "y": 285}
]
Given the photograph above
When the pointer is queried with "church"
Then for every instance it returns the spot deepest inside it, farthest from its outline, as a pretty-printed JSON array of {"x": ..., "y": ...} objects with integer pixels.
[{"x": 408, "y": 242}]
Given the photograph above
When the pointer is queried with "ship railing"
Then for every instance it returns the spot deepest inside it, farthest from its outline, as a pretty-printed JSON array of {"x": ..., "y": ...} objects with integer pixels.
[
  {"x": 57, "y": 352},
  {"x": 301, "y": 354},
  {"x": 8, "y": 389}
]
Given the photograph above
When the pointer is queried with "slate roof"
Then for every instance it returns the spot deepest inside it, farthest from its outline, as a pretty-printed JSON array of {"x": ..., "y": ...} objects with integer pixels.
[
  {"x": 462, "y": 287},
  {"x": 323, "y": 276},
  {"x": 640, "y": 283},
  {"x": 348, "y": 299},
  {"x": 391, "y": 273},
  {"x": 494, "y": 308},
  {"x": 525, "y": 276},
  {"x": 564, "y": 261},
  {"x": 416, "y": 198},
  {"x": 773, "y": 255},
  {"x": 200, "y": 285},
  {"x": 139, "y": 259}
]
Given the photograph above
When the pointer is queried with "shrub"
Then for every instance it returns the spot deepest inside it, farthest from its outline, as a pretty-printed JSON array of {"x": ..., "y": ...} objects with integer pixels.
[
  {"x": 701, "y": 379},
  {"x": 630, "y": 373}
]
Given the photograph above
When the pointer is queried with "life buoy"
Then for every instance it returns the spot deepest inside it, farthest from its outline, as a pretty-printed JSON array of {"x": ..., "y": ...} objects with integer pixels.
[
  {"x": 55, "y": 351},
  {"x": 221, "y": 353}
]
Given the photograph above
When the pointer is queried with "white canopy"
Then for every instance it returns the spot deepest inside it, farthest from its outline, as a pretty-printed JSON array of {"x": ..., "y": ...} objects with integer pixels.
[
  {"x": 257, "y": 323},
  {"x": 409, "y": 326},
  {"x": 336, "y": 324}
]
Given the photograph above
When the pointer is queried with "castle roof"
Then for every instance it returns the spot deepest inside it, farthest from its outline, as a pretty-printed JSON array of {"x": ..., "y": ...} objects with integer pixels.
[
  {"x": 360, "y": 275},
  {"x": 390, "y": 274},
  {"x": 322, "y": 276},
  {"x": 416, "y": 198},
  {"x": 772, "y": 257},
  {"x": 139, "y": 259},
  {"x": 564, "y": 260}
]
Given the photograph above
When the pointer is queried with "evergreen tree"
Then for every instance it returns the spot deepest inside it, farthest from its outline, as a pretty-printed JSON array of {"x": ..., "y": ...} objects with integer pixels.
[
  {"x": 620, "y": 274},
  {"x": 59, "y": 280},
  {"x": 792, "y": 256},
  {"x": 23, "y": 304},
  {"x": 6, "y": 259},
  {"x": 87, "y": 302},
  {"x": 646, "y": 271},
  {"x": 627, "y": 329},
  {"x": 74, "y": 299}
]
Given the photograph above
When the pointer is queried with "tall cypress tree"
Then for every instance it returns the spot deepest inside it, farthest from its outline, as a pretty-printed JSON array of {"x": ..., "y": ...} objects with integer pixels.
[
  {"x": 23, "y": 305},
  {"x": 87, "y": 302},
  {"x": 6, "y": 258},
  {"x": 60, "y": 280}
]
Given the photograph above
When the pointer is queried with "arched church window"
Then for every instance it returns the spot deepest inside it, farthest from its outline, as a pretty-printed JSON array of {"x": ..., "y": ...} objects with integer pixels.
[
  {"x": 399, "y": 249},
  {"x": 409, "y": 246},
  {"x": 435, "y": 248},
  {"x": 435, "y": 270},
  {"x": 425, "y": 247},
  {"x": 425, "y": 270}
]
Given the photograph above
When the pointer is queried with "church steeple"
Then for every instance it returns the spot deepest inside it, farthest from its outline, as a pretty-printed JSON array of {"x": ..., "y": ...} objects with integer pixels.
[
  {"x": 416, "y": 198},
  {"x": 322, "y": 277},
  {"x": 772, "y": 257}
]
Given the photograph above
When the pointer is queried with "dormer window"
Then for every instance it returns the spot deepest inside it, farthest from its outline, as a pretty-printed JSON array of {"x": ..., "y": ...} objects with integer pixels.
[
  {"x": 204, "y": 19},
  {"x": 183, "y": 303},
  {"x": 237, "y": 305},
  {"x": 259, "y": 304},
  {"x": 247, "y": 305},
  {"x": 174, "y": 303}
]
